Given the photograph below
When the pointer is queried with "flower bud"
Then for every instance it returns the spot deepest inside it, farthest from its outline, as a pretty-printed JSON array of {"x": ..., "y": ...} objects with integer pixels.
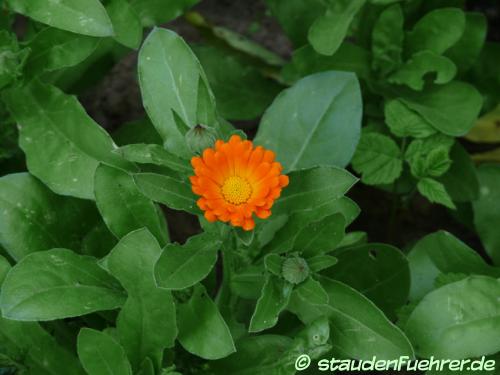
[
  {"x": 295, "y": 270},
  {"x": 200, "y": 137}
]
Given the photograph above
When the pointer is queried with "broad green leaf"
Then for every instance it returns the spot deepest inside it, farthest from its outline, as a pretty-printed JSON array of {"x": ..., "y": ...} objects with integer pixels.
[
  {"x": 126, "y": 23},
  {"x": 435, "y": 192},
  {"x": 34, "y": 218},
  {"x": 466, "y": 51},
  {"x": 328, "y": 31},
  {"x": 63, "y": 145},
  {"x": 349, "y": 58},
  {"x": 172, "y": 84},
  {"x": 361, "y": 329},
  {"x": 145, "y": 326},
  {"x": 53, "y": 49},
  {"x": 257, "y": 355},
  {"x": 154, "y": 154},
  {"x": 202, "y": 330},
  {"x": 377, "y": 159},
  {"x": 307, "y": 301},
  {"x": 4, "y": 268},
  {"x": 157, "y": 12},
  {"x": 242, "y": 92},
  {"x": 35, "y": 287},
  {"x": 284, "y": 237},
  {"x": 437, "y": 31},
  {"x": 139, "y": 131},
  {"x": 458, "y": 320},
  {"x": 460, "y": 181},
  {"x": 101, "y": 354},
  {"x": 98, "y": 241},
  {"x": 422, "y": 64},
  {"x": 442, "y": 253},
  {"x": 248, "y": 283},
  {"x": 403, "y": 122},
  {"x": 486, "y": 211},
  {"x": 485, "y": 74},
  {"x": 451, "y": 108},
  {"x": 378, "y": 271},
  {"x": 313, "y": 187},
  {"x": 287, "y": 11},
  {"x": 123, "y": 207},
  {"x": 321, "y": 117},
  {"x": 320, "y": 236},
  {"x": 273, "y": 300},
  {"x": 170, "y": 191},
  {"x": 182, "y": 266},
  {"x": 387, "y": 40},
  {"x": 87, "y": 17},
  {"x": 39, "y": 352},
  {"x": 321, "y": 262}
]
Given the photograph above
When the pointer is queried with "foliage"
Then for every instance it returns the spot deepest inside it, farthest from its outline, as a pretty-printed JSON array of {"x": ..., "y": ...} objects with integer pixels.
[{"x": 93, "y": 277}]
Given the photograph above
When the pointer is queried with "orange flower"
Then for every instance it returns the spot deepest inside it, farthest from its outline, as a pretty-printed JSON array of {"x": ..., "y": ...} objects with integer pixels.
[{"x": 236, "y": 180}]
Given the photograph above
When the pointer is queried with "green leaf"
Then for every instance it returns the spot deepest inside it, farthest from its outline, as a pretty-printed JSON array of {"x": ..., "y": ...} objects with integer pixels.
[
  {"x": 256, "y": 355},
  {"x": 403, "y": 122},
  {"x": 429, "y": 157},
  {"x": 451, "y": 108},
  {"x": 387, "y": 40},
  {"x": 441, "y": 252},
  {"x": 182, "y": 266},
  {"x": 315, "y": 122},
  {"x": 145, "y": 326},
  {"x": 139, "y": 131},
  {"x": 435, "y": 192},
  {"x": 13, "y": 58},
  {"x": 171, "y": 87},
  {"x": 34, "y": 218},
  {"x": 486, "y": 210},
  {"x": 320, "y": 236},
  {"x": 126, "y": 23},
  {"x": 202, "y": 330},
  {"x": 437, "y": 31},
  {"x": 379, "y": 271},
  {"x": 63, "y": 145},
  {"x": 53, "y": 49},
  {"x": 312, "y": 188},
  {"x": 170, "y": 191},
  {"x": 461, "y": 181},
  {"x": 243, "y": 44},
  {"x": 272, "y": 301},
  {"x": 154, "y": 154},
  {"x": 40, "y": 353},
  {"x": 101, "y": 354},
  {"x": 123, "y": 207},
  {"x": 377, "y": 159},
  {"x": 157, "y": 12},
  {"x": 361, "y": 329},
  {"x": 242, "y": 92},
  {"x": 415, "y": 71},
  {"x": 87, "y": 17},
  {"x": 328, "y": 31},
  {"x": 447, "y": 323},
  {"x": 321, "y": 262},
  {"x": 35, "y": 286},
  {"x": 274, "y": 264},
  {"x": 296, "y": 28},
  {"x": 466, "y": 51},
  {"x": 349, "y": 58}
]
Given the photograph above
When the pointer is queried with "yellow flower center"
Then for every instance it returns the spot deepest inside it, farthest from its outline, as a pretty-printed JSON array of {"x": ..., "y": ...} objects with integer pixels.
[{"x": 236, "y": 190}]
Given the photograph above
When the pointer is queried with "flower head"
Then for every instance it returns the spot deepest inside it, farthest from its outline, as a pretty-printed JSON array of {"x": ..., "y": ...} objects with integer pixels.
[{"x": 236, "y": 180}]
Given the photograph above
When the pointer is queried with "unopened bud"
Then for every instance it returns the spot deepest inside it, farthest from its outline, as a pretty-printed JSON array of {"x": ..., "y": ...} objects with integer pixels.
[
  {"x": 295, "y": 270},
  {"x": 200, "y": 137}
]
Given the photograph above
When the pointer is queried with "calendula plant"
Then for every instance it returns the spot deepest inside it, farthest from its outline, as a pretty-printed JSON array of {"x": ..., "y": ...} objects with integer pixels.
[{"x": 178, "y": 243}]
